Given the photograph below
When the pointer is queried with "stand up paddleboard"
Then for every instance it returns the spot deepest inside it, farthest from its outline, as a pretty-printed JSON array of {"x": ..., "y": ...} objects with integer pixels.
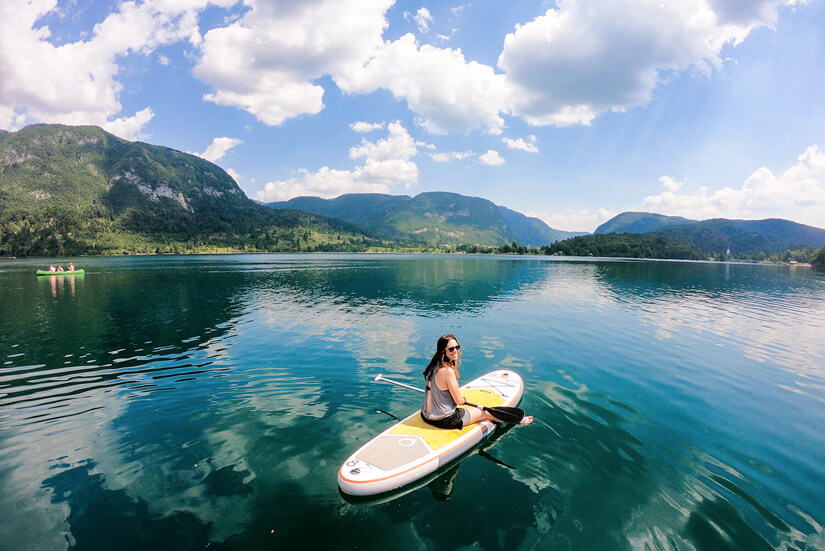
[{"x": 411, "y": 449}]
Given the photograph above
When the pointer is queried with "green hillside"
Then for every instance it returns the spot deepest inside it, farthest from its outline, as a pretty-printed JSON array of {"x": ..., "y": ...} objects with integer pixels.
[
  {"x": 639, "y": 222},
  {"x": 723, "y": 238},
  {"x": 365, "y": 210},
  {"x": 81, "y": 190},
  {"x": 746, "y": 238},
  {"x": 433, "y": 218},
  {"x": 626, "y": 245}
]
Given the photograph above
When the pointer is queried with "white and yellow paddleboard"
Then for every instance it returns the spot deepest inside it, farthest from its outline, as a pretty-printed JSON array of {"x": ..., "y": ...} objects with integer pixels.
[{"x": 411, "y": 449}]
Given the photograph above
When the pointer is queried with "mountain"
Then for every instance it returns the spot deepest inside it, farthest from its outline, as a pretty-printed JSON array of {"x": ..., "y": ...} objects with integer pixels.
[
  {"x": 639, "y": 222},
  {"x": 626, "y": 245},
  {"x": 744, "y": 238},
  {"x": 79, "y": 189},
  {"x": 532, "y": 231},
  {"x": 365, "y": 210},
  {"x": 435, "y": 218}
]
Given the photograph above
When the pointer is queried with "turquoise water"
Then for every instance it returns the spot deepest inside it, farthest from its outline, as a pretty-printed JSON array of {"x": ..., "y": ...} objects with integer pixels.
[{"x": 207, "y": 402}]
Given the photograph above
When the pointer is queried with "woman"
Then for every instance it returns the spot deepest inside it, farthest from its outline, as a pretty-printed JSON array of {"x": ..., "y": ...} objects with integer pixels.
[{"x": 442, "y": 396}]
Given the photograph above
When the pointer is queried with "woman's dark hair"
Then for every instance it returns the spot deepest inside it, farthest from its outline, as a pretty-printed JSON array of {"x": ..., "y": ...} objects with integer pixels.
[{"x": 440, "y": 356}]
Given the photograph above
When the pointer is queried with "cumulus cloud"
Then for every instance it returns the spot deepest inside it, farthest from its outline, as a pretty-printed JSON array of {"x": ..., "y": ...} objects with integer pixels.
[
  {"x": 492, "y": 158},
  {"x": 587, "y": 57},
  {"x": 267, "y": 62},
  {"x": 387, "y": 164},
  {"x": 76, "y": 82},
  {"x": 446, "y": 157},
  {"x": 797, "y": 194},
  {"x": 447, "y": 92},
  {"x": 567, "y": 66},
  {"x": 528, "y": 145},
  {"x": 670, "y": 184},
  {"x": 130, "y": 128},
  {"x": 218, "y": 148},
  {"x": 364, "y": 127}
]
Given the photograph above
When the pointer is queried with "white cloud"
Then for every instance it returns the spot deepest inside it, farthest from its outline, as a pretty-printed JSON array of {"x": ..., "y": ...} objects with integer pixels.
[
  {"x": 267, "y": 62},
  {"x": 234, "y": 174},
  {"x": 575, "y": 220},
  {"x": 797, "y": 194},
  {"x": 446, "y": 37},
  {"x": 364, "y": 127},
  {"x": 451, "y": 156},
  {"x": 458, "y": 9},
  {"x": 671, "y": 184},
  {"x": 218, "y": 148},
  {"x": 448, "y": 93},
  {"x": 130, "y": 128},
  {"x": 529, "y": 145},
  {"x": 75, "y": 83},
  {"x": 387, "y": 165},
  {"x": 492, "y": 158},
  {"x": 587, "y": 57},
  {"x": 567, "y": 66},
  {"x": 422, "y": 19}
]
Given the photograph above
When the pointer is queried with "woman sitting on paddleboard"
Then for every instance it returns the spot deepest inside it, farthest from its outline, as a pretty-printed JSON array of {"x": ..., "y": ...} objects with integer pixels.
[{"x": 442, "y": 396}]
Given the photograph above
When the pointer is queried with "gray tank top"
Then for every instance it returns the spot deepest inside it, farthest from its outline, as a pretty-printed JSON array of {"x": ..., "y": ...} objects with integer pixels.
[{"x": 438, "y": 404}]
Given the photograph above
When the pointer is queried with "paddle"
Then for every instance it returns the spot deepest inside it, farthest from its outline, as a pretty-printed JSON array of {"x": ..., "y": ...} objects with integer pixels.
[{"x": 502, "y": 414}]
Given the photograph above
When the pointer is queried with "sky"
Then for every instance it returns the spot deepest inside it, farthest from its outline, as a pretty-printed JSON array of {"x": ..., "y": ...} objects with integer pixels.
[{"x": 570, "y": 111}]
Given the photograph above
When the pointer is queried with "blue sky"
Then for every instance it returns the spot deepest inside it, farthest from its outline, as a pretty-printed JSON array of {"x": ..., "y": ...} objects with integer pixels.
[{"x": 572, "y": 111}]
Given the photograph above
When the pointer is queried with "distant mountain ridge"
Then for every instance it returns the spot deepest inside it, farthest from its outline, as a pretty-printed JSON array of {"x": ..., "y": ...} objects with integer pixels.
[
  {"x": 436, "y": 218},
  {"x": 717, "y": 236},
  {"x": 640, "y": 222},
  {"x": 80, "y": 189}
]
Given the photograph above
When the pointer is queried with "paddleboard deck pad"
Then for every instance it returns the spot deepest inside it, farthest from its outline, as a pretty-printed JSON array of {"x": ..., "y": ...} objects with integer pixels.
[{"x": 411, "y": 449}]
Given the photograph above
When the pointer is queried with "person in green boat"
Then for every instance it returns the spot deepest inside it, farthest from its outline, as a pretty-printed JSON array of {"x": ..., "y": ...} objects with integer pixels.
[
  {"x": 60, "y": 267},
  {"x": 442, "y": 395},
  {"x": 71, "y": 267}
]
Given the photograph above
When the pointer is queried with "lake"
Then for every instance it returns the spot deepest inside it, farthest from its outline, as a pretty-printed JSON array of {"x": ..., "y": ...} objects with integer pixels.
[{"x": 207, "y": 402}]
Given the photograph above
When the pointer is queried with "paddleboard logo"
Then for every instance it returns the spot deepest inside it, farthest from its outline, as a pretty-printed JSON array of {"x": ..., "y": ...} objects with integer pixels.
[{"x": 355, "y": 471}]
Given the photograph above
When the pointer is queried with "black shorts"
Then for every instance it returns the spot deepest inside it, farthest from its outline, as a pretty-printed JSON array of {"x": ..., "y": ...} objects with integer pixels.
[{"x": 457, "y": 420}]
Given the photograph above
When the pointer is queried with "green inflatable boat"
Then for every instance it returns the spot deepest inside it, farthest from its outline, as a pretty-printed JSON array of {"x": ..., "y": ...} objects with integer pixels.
[{"x": 48, "y": 273}]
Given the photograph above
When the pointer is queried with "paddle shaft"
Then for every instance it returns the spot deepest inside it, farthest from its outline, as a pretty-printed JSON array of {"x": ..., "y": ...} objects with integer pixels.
[
  {"x": 382, "y": 378},
  {"x": 505, "y": 414}
]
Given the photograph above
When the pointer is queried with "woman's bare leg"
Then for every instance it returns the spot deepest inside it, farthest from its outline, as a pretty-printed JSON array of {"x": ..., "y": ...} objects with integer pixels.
[{"x": 477, "y": 415}]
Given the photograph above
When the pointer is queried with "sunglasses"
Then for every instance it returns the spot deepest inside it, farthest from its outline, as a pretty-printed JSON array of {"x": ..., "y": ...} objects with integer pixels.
[{"x": 454, "y": 348}]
